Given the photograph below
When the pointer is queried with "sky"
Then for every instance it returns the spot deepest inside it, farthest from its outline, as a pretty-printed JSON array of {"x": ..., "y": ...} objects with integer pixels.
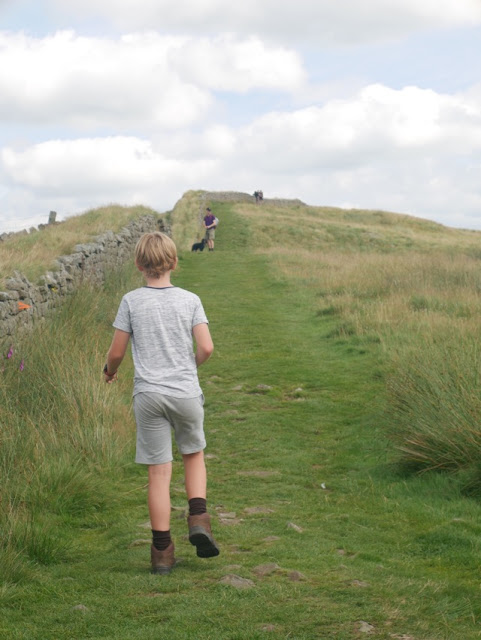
[{"x": 373, "y": 104}]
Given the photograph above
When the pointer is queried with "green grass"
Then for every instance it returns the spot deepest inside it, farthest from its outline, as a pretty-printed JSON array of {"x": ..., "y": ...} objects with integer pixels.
[
  {"x": 296, "y": 426},
  {"x": 409, "y": 285}
]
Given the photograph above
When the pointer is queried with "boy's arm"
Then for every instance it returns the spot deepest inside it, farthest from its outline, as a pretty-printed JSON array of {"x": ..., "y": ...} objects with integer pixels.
[
  {"x": 116, "y": 353},
  {"x": 204, "y": 343}
]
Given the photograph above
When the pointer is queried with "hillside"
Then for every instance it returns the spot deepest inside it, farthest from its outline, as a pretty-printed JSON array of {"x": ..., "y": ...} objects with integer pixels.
[{"x": 345, "y": 363}]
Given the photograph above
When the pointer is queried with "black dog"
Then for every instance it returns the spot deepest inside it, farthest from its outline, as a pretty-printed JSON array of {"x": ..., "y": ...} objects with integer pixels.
[{"x": 199, "y": 246}]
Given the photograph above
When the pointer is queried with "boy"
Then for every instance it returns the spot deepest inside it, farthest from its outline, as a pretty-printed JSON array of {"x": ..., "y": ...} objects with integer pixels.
[{"x": 161, "y": 319}]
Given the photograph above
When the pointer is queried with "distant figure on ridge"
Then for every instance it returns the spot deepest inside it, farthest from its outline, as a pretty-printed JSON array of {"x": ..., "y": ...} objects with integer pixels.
[
  {"x": 163, "y": 320},
  {"x": 210, "y": 225},
  {"x": 258, "y": 195}
]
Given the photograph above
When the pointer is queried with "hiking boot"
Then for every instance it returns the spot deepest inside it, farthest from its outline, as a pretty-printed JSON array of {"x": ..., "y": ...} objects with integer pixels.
[
  {"x": 163, "y": 561},
  {"x": 200, "y": 535}
]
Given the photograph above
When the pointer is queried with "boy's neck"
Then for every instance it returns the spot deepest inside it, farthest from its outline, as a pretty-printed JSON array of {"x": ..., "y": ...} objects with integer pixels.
[{"x": 159, "y": 283}]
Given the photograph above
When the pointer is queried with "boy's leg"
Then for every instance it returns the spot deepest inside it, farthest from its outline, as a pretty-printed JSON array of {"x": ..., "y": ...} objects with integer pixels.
[
  {"x": 195, "y": 475},
  {"x": 159, "y": 496},
  {"x": 154, "y": 446},
  {"x": 200, "y": 533},
  {"x": 162, "y": 549},
  {"x": 187, "y": 417}
]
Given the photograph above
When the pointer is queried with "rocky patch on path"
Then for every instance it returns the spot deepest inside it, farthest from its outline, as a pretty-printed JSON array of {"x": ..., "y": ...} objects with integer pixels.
[
  {"x": 263, "y": 570},
  {"x": 229, "y": 518},
  {"x": 296, "y": 576},
  {"x": 365, "y": 627},
  {"x": 233, "y": 580},
  {"x": 232, "y": 567},
  {"x": 268, "y": 569},
  {"x": 258, "y": 510}
]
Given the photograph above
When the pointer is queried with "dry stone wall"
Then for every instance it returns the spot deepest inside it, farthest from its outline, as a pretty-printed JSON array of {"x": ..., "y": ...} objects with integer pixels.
[
  {"x": 23, "y": 302},
  {"x": 237, "y": 196}
]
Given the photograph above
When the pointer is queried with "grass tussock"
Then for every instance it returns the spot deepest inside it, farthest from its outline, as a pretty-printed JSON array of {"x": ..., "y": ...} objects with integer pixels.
[
  {"x": 33, "y": 254},
  {"x": 434, "y": 405}
]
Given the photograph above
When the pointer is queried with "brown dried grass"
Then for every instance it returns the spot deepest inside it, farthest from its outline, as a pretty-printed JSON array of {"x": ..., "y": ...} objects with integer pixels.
[{"x": 34, "y": 253}]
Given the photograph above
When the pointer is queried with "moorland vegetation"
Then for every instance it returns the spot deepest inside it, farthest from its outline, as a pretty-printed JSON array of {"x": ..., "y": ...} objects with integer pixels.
[{"x": 342, "y": 406}]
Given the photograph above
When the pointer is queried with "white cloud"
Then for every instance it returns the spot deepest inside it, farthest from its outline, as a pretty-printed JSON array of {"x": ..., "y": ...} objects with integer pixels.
[
  {"x": 319, "y": 21},
  {"x": 213, "y": 94},
  {"x": 94, "y": 82},
  {"x": 70, "y": 176},
  {"x": 98, "y": 166},
  {"x": 377, "y": 123},
  {"x": 409, "y": 150},
  {"x": 228, "y": 64},
  {"x": 137, "y": 80}
]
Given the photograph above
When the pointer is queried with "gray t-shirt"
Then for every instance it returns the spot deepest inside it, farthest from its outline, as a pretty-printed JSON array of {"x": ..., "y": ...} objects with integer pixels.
[{"x": 160, "y": 322}]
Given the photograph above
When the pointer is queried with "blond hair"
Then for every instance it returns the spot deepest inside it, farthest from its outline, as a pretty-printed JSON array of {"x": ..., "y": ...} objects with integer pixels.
[{"x": 156, "y": 253}]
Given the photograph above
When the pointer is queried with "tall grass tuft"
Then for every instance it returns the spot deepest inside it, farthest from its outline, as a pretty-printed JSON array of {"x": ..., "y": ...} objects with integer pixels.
[
  {"x": 434, "y": 406},
  {"x": 61, "y": 429}
]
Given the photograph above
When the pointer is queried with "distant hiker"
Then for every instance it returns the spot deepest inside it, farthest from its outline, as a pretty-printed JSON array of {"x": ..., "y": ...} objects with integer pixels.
[
  {"x": 210, "y": 225},
  {"x": 163, "y": 320},
  {"x": 258, "y": 195}
]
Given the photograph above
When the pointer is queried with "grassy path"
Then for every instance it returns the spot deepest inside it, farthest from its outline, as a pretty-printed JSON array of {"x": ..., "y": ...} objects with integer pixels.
[{"x": 319, "y": 537}]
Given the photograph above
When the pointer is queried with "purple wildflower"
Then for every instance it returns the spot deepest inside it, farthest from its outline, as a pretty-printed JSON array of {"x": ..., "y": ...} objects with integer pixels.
[
  {"x": 10, "y": 352},
  {"x": 22, "y": 365}
]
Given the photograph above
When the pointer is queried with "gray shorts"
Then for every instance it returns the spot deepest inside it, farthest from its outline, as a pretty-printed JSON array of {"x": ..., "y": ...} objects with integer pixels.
[{"x": 156, "y": 415}]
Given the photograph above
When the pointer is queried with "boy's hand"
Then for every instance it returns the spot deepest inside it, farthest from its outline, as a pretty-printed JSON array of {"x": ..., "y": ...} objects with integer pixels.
[{"x": 109, "y": 377}]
